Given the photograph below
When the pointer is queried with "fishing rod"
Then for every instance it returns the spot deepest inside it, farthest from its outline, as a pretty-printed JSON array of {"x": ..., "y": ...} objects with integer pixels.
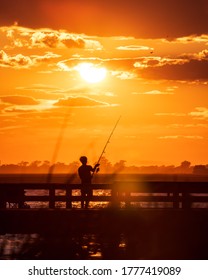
[{"x": 106, "y": 144}]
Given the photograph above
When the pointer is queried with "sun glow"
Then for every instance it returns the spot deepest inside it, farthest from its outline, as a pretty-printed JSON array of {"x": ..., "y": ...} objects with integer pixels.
[{"x": 91, "y": 73}]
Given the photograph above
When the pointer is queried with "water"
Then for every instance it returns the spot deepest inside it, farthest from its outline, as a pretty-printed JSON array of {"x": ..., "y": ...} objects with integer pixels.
[{"x": 129, "y": 243}]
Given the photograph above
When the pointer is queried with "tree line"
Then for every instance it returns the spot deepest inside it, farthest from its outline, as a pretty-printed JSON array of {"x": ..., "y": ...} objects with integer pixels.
[{"x": 25, "y": 167}]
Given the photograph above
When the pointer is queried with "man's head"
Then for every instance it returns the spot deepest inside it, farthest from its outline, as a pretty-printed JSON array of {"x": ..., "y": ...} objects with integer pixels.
[{"x": 83, "y": 160}]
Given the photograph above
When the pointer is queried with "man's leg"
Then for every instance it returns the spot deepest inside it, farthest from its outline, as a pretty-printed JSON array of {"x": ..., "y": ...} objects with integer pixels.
[{"x": 83, "y": 195}]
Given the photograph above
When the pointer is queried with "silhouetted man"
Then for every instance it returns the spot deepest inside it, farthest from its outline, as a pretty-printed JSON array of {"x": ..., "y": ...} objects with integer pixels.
[{"x": 85, "y": 173}]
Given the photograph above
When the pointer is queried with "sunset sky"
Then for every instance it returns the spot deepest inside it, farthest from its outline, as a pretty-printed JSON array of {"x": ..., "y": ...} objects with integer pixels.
[{"x": 69, "y": 69}]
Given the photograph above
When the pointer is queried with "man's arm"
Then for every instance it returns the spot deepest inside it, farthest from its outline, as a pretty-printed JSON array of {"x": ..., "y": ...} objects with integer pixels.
[{"x": 95, "y": 167}]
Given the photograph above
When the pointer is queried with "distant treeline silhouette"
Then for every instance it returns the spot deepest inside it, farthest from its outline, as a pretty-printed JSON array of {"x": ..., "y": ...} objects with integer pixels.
[{"x": 106, "y": 167}]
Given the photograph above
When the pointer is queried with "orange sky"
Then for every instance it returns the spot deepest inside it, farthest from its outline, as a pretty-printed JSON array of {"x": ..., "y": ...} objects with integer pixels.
[{"x": 155, "y": 56}]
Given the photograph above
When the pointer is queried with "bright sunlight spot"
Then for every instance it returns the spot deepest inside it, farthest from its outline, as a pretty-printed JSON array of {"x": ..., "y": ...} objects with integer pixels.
[{"x": 91, "y": 73}]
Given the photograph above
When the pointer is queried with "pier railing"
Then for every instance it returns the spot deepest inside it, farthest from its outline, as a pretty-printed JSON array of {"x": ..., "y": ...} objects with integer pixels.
[{"x": 149, "y": 194}]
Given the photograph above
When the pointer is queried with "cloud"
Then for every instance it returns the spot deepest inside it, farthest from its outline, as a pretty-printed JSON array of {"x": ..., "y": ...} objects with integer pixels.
[
  {"x": 41, "y": 91},
  {"x": 18, "y": 37},
  {"x": 44, "y": 58},
  {"x": 114, "y": 63},
  {"x": 171, "y": 88},
  {"x": 21, "y": 61},
  {"x": 19, "y": 100},
  {"x": 196, "y": 125},
  {"x": 188, "y": 66},
  {"x": 47, "y": 39},
  {"x": 181, "y": 68},
  {"x": 202, "y": 55},
  {"x": 200, "y": 113},
  {"x": 154, "y": 92},
  {"x": 157, "y": 61},
  {"x": 192, "y": 137},
  {"x": 124, "y": 75},
  {"x": 79, "y": 101},
  {"x": 40, "y": 88},
  {"x": 72, "y": 64},
  {"x": 55, "y": 39},
  {"x": 134, "y": 48},
  {"x": 191, "y": 70},
  {"x": 171, "y": 114},
  {"x": 25, "y": 104},
  {"x": 121, "y": 68},
  {"x": 203, "y": 38},
  {"x": 62, "y": 66},
  {"x": 44, "y": 91},
  {"x": 17, "y": 61},
  {"x": 19, "y": 110}
]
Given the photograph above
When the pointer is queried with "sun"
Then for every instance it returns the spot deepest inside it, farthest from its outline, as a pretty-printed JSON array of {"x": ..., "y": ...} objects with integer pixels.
[{"x": 91, "y": 73}]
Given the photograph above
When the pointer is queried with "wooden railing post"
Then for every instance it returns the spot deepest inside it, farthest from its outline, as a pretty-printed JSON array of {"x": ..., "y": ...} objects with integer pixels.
[
  {"x": 186, "y": 204},
  {"x": 21, "y": 203},
  {"x": 52, "y": 197},
  {"x": 68, "y": 197},
  {"x": 115, "y": 195},
  {"x": 176, "y": 197}
]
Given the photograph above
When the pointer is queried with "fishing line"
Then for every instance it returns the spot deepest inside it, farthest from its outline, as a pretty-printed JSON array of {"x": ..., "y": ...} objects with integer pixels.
[{"x": 106, "y": 144}]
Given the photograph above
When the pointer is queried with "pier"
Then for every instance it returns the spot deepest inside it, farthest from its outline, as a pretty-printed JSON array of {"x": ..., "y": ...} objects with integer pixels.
[
  {"x": 155, "y": 220},
  {"x": 153, "y": 194}
]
